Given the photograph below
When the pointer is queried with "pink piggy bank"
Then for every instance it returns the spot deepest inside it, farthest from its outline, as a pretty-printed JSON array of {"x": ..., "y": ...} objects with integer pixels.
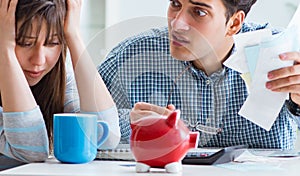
[{"x": 161, "y": 142}]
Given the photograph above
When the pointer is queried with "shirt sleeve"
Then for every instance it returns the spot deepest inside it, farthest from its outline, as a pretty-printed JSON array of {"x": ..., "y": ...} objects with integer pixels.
[
  {"x": 111, "y": 117},
  {"x": 71, "y": 104},
  {"x": 294, "y": 110},
  {"x": 23, "y": 136}
]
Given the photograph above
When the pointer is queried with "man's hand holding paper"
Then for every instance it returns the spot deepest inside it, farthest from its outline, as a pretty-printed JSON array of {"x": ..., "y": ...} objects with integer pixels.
[
  {"x": 287, "y": 79},
  {"x": 270, "y": 66}
]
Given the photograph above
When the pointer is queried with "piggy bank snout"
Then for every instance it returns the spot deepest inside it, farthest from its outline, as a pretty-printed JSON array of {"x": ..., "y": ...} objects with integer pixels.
[{"x": 194, "y": 138}]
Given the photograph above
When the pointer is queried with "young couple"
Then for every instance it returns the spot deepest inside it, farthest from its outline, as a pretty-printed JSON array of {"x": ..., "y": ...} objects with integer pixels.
[{"x": 139, "y": 73}]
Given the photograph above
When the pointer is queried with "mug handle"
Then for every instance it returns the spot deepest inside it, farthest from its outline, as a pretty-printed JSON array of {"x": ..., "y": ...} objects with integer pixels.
[{"x": 105, "y": 132}]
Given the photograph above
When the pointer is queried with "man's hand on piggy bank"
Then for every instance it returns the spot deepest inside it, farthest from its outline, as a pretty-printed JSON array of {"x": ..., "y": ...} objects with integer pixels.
[{"x": 142, "y": 109}]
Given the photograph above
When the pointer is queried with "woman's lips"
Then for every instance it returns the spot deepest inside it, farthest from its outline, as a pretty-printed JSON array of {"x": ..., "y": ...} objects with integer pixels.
[{"x": 34, "y": 74}]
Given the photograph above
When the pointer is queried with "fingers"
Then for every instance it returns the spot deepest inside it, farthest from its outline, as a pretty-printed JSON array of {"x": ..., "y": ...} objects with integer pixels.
[
  {"x": 285, "y": 84},
  {"x": 72, "y": 4},
  {"x": 7, "y": 10},
  {"x": 295, "y": 56},
  {"x": 12, "y": 6},
  {"x": 7, "y": 22},
  {"x": 286, "y": 79},
  {"x": 284, "y": 72},
  {"x": 142, "y": 109},
  {"x": 72, "y": 20},
  {"x": 171, "y": 107},
  {"x": 8, "y": 5},
  {"x": 138, "y": 114},
  {"x": 4, "y": 4},
  {"x": 287, "y": 71},
  {"x": 150, "y": 107}
]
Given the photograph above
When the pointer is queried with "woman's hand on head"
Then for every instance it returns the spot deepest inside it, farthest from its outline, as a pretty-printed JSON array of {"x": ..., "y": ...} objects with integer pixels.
[
  {"x": 142, "y": 109},
  {"x": 7, "y": 23},
  {"x": 72, "y": 20}
]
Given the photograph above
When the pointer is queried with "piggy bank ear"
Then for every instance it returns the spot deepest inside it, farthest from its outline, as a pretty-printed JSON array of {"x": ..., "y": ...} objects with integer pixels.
[
  {"x": 132, "y": 126},
  {"x": 173, "y": 119}
]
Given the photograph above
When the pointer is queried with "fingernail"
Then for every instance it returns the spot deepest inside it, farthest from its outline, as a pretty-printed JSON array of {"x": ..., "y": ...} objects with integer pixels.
[
  {"x": 268, "y": 86},
  {"x": 282, "y": 56},
  {"x": 270, "y": 75}
]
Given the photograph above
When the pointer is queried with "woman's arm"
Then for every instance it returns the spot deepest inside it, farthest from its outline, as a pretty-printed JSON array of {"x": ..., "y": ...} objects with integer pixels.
[
  {"x": 93, "y": 94},
  {"x": 16, "y": 95},
  {"x": 23, "y": 133},
  {"x": 23, "y": 136}
]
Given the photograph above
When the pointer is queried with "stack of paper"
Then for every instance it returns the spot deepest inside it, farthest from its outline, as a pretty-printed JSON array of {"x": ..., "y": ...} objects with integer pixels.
[{"x": 257, "y": 54}]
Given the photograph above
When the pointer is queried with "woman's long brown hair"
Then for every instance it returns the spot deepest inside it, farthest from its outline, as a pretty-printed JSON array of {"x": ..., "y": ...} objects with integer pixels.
[{"x": 49, "y": 93}]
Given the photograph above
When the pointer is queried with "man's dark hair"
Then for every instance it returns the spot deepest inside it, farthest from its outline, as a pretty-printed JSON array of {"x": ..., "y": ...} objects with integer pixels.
[{"x": 233, "y": 6}]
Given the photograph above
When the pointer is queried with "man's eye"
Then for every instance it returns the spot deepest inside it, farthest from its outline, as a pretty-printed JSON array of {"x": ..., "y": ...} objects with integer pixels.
[
  {"x": 174, "y": 3},
  {"x": 200, "y": 12}
]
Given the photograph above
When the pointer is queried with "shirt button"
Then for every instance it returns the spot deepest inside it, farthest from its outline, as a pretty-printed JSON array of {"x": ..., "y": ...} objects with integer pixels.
[
  {"x": 207, "y": 82},
  {"x": 208, "y": 120}
]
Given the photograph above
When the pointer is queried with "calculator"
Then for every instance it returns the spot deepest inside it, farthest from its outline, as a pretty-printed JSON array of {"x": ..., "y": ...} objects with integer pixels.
[{"x": 203, "y": 157}]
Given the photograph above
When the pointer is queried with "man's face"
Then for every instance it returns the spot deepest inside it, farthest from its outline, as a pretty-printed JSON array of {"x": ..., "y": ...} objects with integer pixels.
[{"x": 198, "y": 30}]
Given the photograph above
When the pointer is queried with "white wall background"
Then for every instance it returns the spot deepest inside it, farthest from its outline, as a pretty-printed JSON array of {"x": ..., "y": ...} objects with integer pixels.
[
  {"x": 105, "y": 23},
  {"x": 120, "y": 10},
  {"x": 277, "y": 12},
  {"x": 92, "y": 18}
]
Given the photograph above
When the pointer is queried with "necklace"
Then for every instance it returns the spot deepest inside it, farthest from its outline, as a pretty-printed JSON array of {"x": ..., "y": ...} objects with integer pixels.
[{"x": 194, "y": 126}]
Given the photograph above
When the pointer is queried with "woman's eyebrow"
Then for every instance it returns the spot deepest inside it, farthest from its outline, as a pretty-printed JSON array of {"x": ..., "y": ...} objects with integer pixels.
[
  {"x": 29, "y": 37},
  {"x": 53, "y": 35}
]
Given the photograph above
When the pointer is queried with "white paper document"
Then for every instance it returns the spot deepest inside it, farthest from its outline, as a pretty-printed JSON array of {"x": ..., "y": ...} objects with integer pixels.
[
  {"x": 257, "y": 54},
  {"x": 237, "y": 60},
  {"x": 262, "y": 106}
]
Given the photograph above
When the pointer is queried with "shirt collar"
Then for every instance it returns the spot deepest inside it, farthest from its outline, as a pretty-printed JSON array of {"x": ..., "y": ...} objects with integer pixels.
[{"x": 199, "y": 74}]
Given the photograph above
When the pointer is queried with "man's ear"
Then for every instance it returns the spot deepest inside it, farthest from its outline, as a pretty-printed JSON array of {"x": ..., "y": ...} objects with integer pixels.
[{"x": 235, "y": 23}]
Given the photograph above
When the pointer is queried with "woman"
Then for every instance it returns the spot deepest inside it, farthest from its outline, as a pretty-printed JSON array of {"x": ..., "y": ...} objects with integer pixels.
[{"x": 34, "y": 83}]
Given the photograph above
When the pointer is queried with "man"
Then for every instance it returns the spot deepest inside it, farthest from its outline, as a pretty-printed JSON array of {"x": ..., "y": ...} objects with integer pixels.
[{"x": 182, "y": 67}]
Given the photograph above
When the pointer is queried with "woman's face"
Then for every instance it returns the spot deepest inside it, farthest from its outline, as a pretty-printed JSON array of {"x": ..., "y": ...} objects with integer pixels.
[{"x": 36, "y": 57}]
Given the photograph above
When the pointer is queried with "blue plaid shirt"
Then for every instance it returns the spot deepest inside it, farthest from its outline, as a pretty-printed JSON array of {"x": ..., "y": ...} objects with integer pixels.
[{"x": 141, "y": 69}]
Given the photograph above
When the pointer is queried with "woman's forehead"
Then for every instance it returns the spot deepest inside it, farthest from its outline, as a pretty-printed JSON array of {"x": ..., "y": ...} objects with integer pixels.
[{"x": 39, "y": 24}]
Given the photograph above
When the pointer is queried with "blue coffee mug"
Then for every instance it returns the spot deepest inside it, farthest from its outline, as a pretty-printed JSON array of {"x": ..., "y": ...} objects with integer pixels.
[{"x": 76, "y": 137}]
